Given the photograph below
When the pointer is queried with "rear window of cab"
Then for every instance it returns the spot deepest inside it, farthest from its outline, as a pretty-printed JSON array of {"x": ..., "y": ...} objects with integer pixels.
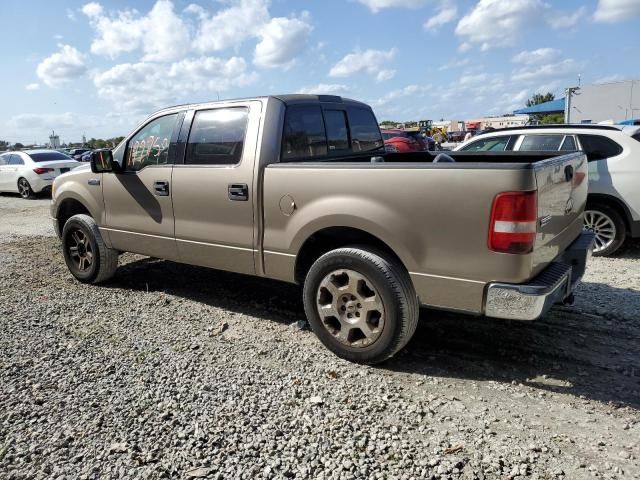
[{"x": 313, "y": 132}]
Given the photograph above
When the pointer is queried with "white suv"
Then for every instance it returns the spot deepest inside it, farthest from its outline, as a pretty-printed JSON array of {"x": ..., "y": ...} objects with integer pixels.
[{"x": 613, "y": 151}]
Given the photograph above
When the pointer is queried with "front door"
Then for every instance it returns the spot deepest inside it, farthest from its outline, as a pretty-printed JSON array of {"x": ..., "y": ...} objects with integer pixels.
[
  {"x": 213, "y": 194},
  {"x": 139, "y": 212}
]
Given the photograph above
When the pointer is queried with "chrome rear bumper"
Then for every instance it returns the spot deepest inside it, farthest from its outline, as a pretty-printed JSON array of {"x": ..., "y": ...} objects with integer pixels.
[{"x": 531, "y": 300}]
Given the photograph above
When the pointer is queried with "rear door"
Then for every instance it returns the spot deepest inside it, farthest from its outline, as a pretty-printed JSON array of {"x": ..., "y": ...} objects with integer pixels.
[
  {"x": 214, "y": 197},
  {"x": 4, "y": 172},
  {"x": 138, "y": 208},
  {"x": 562, "y": 196}
]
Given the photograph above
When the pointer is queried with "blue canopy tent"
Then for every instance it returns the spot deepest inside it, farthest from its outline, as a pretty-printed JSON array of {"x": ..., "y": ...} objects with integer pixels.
[{"x": 554, "y": 106}]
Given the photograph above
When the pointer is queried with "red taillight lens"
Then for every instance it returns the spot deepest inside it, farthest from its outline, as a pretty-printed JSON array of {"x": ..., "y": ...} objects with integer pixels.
[
  {"x": 514, "y": 217},
  {"x": 41, "y": 170}
]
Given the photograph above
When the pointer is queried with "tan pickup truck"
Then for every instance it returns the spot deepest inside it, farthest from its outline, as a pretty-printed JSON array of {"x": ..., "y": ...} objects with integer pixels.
[{"x": 299, "y": 188}]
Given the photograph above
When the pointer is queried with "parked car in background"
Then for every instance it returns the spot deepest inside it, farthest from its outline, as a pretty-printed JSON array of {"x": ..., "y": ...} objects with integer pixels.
[
  {"x": 613, "y": 151},
  {"x": 32, "y": 171},
  {"x": 77, "y": 153},
  {"x": 402, "y": 141},
  {"x": 86, "y": 156}
]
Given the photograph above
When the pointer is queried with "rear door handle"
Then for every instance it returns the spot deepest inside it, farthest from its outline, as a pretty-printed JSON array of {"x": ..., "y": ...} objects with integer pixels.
[
  {"x": 238, "y": 192},
  {"x": 161, "y": 188}
]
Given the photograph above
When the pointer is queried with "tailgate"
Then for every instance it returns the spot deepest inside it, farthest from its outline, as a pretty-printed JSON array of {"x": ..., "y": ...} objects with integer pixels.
[{"x": 562, "y": 196}]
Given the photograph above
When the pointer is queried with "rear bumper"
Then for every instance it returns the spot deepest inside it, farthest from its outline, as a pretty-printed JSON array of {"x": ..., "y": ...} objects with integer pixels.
[{"x": 531, "y": 300}]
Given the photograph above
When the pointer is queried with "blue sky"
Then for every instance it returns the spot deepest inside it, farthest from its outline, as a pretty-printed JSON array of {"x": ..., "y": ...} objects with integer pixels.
[{"x": 100, "y": 67}]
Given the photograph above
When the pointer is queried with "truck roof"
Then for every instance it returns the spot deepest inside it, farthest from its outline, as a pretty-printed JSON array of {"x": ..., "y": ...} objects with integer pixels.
[{"x": 288, "y": 99}]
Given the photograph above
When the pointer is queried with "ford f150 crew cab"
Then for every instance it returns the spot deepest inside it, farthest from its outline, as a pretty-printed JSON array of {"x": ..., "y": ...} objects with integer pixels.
[{"x": 300, "y": 188}]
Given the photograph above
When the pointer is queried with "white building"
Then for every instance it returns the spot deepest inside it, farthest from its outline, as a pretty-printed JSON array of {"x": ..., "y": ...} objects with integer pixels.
[
  {"x": 497, "y": 122},
  {"x": 612, "y": 101}
]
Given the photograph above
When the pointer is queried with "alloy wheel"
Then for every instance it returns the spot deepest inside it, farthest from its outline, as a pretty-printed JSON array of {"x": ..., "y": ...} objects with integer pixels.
[
  {"x": 24, "y": 188},
  {"x": 350, "y": 308},
  {"x": 602, "y": 226},
  {"x": 80, "y": 250}
]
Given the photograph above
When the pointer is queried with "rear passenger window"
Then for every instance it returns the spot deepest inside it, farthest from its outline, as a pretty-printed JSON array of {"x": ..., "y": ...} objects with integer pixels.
[
  {"x": 598, "y": 147},
  {"x": 365, "y": 133},
  {"x": 304, "y": 133},
  {"x": 15, "y": 160},
  {"x": 337, "y": 135},
  {"x": 541, "y": 143},
  {"x": 569, "y": 143},
  {"x": 4, "y": 159},
  {"x": 217, "y": 136},
  {"x": 490, "y": 144}
]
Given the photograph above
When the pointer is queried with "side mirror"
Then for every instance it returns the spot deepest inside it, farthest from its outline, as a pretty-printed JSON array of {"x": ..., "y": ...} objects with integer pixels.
[{"x": 102, "y": 161}]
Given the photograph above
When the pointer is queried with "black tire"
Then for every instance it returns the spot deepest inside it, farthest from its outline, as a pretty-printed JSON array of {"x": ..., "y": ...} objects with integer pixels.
[
  {"x": 618, "y": 222},
  {"x": 104, "y": 260},
  {"x": 389, "y": 279},
  {"x": 25, "y": 190}
]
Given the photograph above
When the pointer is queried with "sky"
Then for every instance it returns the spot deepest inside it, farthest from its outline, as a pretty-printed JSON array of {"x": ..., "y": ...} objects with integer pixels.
[{"x": 99, "y": 68}]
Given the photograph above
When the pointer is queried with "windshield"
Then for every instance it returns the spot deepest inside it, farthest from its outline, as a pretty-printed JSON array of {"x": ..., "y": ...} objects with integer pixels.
[{"x": 48, "y": 156}]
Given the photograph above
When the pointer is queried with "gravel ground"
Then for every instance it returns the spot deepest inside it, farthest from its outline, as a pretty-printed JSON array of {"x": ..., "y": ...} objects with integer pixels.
[{"x": 172, "y": 371}]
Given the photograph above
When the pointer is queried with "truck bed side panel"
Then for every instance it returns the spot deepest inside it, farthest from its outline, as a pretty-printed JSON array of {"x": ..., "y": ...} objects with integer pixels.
[{"x": 435, "y": 218}]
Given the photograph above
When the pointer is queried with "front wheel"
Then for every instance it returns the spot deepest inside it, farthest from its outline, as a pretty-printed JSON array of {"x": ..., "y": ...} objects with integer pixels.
[
  {"x": 85, "y": 253},
  {"x": 24, "y": 189},
  {"x": 361, "y": 304},
  {"x": 608, "y": 227}
]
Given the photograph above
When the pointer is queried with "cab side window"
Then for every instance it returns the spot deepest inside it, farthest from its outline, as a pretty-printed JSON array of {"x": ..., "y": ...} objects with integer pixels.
[
  {"x": 598, "y": 147},
  {"x": 217, "y": 136},
  {"x": 304, "y": 133},
  {"x": 150, "y": 146},
  {"x": 365, "y": 133}
]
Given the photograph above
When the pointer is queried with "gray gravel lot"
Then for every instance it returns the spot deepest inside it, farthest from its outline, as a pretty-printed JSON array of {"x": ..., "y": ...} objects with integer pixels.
[{"x": 172, "y": 371}]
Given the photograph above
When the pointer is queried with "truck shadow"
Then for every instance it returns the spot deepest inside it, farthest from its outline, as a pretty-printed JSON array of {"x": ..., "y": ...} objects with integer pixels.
[{"x": 582, "y": 354}]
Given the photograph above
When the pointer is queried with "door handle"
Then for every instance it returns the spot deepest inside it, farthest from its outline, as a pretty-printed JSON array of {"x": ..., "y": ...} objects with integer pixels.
[
  {"x": 238, "y": 192},
  {"x": 161, "y": 188},
  {"x": 93, "y": 181}
]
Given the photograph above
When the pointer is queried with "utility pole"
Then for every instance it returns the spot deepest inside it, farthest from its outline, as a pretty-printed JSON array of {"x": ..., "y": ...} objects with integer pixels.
[{"x": 568, "y": 93}]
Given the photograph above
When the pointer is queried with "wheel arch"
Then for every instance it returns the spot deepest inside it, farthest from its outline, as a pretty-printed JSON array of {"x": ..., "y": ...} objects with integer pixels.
[
  {"x": 68, "y": 208},
  {"x": 331, "y": 238},
  {"x": 613, "y": 202}
]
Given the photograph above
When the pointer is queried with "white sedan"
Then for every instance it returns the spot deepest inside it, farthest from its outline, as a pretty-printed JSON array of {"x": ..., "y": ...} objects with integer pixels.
[{"x": 32, "y": 171}]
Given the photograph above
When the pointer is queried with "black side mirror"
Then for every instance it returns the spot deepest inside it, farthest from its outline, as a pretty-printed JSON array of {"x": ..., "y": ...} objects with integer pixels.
[{"x": 102, "y": 161}]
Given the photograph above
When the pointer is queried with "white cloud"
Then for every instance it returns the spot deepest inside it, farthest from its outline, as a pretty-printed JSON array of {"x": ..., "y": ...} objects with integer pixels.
[
  {"x": 32, "y": 86},
  {"x": 61, "y": 67},
  {"x": 560, "y": 20},
  {"x": 547, "y": 71},
  {"x": 609, "y": 79},
  {"x": 48, "y": 121},
  {"x": 325, "y": 88},
  {"x": 92, "y": 9},
  {"x": 282, "y": 39},
  {"x": 384, "y": 75},
  {"x": 408, "y": 91},
  {"x": 535, "y": 57},
  {"x": 497, "y": 23},
  {"x": 231, "y": 26},
  {"x": 446, "y": 13},
  {"x": 377, "y": 5},
  {"x": 370, "y": 61},
  {"x": 145, "y": 86},
  {"x": 70, "y": 15},
  {"x": 613, "y": 11},
  {"x": 161, "y": 33}
]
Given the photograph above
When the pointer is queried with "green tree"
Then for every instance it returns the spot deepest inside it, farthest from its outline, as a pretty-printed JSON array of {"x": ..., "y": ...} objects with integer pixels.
[
  {"x": 552, "y": 118},
  {"x": 388, "y": 123},
  {"x": 18, "y": 146},
  {"x": 538, "y": 98}
]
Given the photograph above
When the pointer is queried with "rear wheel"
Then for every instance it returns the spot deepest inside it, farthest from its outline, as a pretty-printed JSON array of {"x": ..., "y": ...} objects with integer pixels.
[
  {"x": 24, "y": 188},
  {"x": 360, "y": 304},
  {"x": 85, "y": 253},
  {"x": 608, "y": 227}
]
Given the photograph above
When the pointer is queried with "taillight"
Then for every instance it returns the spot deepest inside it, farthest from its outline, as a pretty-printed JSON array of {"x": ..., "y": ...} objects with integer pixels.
[
  {"x": 514, "y": 216},
  {"x": 41, "y": 170}
]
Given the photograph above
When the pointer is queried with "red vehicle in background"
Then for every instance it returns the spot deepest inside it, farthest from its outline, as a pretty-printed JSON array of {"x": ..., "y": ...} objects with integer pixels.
[{"x": 402, "y": 141}]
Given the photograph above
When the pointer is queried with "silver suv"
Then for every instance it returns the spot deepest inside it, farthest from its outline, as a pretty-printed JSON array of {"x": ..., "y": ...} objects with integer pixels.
[{"x": 613, "y": 205}]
